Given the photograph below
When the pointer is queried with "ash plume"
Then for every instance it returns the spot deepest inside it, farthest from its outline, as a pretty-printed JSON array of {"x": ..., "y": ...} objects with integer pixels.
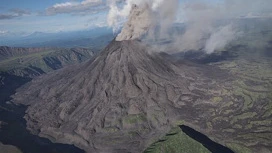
[
  {"x": 143, "y": 16},
  {"x": 208, "y": 26},
  {"x": 140, "y": 20}
]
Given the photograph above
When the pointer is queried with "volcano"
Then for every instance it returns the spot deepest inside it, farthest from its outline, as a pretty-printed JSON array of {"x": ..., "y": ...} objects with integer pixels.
[{"x": 126, "y": 98}]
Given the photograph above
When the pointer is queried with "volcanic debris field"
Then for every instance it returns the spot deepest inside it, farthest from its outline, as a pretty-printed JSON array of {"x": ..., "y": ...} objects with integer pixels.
[{"x": 127, "y": 99}]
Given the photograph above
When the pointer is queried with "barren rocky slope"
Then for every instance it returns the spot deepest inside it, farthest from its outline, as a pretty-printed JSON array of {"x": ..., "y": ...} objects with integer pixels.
[{"x": 125, "y": 99}]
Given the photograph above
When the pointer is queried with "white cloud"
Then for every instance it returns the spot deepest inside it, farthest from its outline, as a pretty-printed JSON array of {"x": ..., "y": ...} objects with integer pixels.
[
  {"x": 3, "y": 32},
  {"x": 86, "y": 2},
  {"x": 75, "y": 7},
  {"x": 63, "y": 5},
  {"x": 101, "y": 24}
]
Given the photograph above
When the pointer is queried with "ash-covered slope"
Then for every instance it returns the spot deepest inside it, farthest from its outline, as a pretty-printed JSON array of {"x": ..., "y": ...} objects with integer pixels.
[
  {"x": 106, "y": 102},
  {"x": 119, "y": 100},
  {"x": 125, "y": 99}
]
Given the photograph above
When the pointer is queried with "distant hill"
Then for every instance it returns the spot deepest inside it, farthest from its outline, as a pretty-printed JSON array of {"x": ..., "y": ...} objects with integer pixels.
[
  {"x": 19, "y": 65},
  {"x": 31, "y": 62}
]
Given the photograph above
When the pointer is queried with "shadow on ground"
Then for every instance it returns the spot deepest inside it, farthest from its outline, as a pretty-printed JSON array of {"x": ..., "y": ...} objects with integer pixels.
[{"x": 205, "y": 141}]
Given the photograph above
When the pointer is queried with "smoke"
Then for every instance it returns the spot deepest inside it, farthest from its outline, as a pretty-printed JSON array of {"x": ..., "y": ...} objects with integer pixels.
[
  {"x": 219, "y": 39},
  {"x": 139, "y": 22},
  {"x": 117, "y": 15},
  {"x": 142, "y": 17},
  {"x": 208, "y": 26}
]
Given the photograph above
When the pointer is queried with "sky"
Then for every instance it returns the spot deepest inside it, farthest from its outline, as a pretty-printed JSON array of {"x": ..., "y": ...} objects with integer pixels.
[
  {"x": 28, "y": 16},
  {"x": 23, "y": 17}
]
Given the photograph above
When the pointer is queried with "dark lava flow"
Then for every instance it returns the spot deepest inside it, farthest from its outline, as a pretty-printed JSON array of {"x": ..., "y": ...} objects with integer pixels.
[{"x": 205, "y": 141}]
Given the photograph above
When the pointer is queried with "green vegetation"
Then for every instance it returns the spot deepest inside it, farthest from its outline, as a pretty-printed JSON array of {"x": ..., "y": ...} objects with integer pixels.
[
  {"x": 246, "y": 107},
  {"x": 179, "y": 122},
  {"x": 227, "y": 104},
  {"x": 176, "y": 142},
  {"x": 268, "y": 107},
  {"x": 43, "y": 61},
  {"x": 24, "y": 61},
  {"x": 243, "y": 117},
  {"x": 217, "y": 99},
  {"x": 8, "y": 149},
  {"x": 237, "y": 148},
  {"x": 111, "y": 129},
  {"x": 131, "y": 119}
]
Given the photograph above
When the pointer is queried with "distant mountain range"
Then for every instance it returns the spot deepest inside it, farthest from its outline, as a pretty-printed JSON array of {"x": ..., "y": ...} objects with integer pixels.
[{"x": 86, "y": 38}]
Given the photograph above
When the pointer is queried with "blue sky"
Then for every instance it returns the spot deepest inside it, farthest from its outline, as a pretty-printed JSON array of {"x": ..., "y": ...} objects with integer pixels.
[
  {"x": 27, "y": 16},
  {"x": 22, "y": 17}
]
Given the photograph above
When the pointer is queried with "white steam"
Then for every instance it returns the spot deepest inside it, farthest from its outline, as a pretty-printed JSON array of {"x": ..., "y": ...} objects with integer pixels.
[
  {"x": 203, "y": 32},
  {"x": 207, "y": 26},
  {"x": 219, "y": 39}
]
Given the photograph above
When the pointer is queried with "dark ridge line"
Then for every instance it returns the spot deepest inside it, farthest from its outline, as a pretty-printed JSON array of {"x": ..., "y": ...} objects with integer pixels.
[{"x": 205, "y": 141}]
